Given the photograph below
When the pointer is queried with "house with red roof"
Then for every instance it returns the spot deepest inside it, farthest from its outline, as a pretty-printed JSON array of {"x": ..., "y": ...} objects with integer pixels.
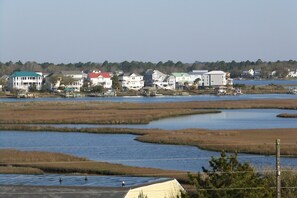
[{"x": 100, "y": 78}]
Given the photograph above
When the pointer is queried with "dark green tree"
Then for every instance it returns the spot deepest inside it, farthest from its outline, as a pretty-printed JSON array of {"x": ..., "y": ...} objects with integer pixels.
[
  {"x": 97, "y": 89},
  {"x": 55, "y": 78},
  {"x": 115, "y": 83},
  {"x": 67, "y": 80},
  {"x": 228, "y": 177}
]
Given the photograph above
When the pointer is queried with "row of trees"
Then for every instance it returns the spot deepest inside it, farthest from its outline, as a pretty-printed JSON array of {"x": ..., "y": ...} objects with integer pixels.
[{"x": 235, "y": 68}]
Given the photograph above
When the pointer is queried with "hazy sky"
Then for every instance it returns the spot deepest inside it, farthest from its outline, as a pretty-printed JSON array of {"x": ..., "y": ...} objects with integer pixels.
[{"x": 147, "y": 30}]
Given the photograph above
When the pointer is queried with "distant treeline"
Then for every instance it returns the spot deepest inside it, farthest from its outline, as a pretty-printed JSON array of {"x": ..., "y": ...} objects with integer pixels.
[{"x": 235, "y": 68}]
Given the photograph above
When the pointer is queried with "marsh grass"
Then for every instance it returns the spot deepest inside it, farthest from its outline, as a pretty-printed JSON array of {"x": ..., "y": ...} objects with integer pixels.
[
  {"x": 287, "y": 115},
  {"x": 120, "y": 113},
  {"x": 20, "y": 170},
  {"x": 256, "y": 141},
  {"x": 14, "y": 161}
]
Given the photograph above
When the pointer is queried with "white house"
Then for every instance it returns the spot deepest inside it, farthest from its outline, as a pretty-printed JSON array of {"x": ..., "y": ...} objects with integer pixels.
[
  {"x": 78, "y": 79},
  {"x": 216, "y": 78},
  {"x": 292, "y": 74},
  {"x": 131, "y": 81},
  {"x": 248, "y": 73},
  {"x": 100, "y": 78},
  {"x": 182, "y": 78},
  {"x": 53, "y": 81},
  {"x": 155, "y": 78},
  {"x": 197, "y": 74},
  {"x": 24, "y": 80}
]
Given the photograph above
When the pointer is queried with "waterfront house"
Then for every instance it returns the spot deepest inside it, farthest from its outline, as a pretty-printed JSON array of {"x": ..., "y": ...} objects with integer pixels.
[
  {"x": 182, "y": 78},
  {"x": 100, "y": 78},
  {"x": 248, "y": 73},
  {"x": 292, "y": 74},
  {"x": 25, "y": 80},
  {"x": 197, "y": 74},
  {"x": 155, "y": 78},
  {"x": 216, "y": 79},
  {"x": 53, "y": 81},
  {"x": 76, "y": 81},
  {"x": 131, "y": 81}
]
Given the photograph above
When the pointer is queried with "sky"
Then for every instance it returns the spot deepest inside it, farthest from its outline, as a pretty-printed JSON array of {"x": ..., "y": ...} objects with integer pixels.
[{"x": 64, "y": 31}]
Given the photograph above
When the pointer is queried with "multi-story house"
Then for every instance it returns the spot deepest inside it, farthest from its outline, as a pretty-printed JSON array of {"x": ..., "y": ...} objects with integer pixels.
[
  {"x": 131, "y": 81},
  {"x": 216, "y": 79},
  {"x": 196, "y": 75},
  {"x": 100, "y": 78},
  {"x": 182, "y": 78},
  {"x": 77, "y": 79},
  {"x": 25, "y": 80},
  {"x": 155, "y": 78}
]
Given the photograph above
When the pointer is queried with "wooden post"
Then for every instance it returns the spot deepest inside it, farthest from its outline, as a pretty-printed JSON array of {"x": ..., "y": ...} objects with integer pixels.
[{"x": 278, "y": 171}]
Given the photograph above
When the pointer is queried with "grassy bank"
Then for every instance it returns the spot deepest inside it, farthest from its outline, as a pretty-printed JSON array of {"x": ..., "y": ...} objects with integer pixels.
[
  {"x": 246, "y": 141},
  {"x": 287, "y": 115},
  {"x": 120, "y": 113},
  {"x": 88, "y": 113},
  {"x": 257, "y": 141},
  {"x": 25, "y": 162}
]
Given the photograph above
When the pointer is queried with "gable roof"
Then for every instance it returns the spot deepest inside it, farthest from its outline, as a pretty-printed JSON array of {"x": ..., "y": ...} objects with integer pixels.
[
  {"x": 96, "y": 75},
  {"x": 131, "y": 74},
  {"x": 25, "y": 73}
]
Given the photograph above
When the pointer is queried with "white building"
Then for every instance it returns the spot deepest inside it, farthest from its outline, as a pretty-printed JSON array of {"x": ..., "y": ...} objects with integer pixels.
[
  {"x": 182, "y": 78},
  {"x": 197, "y": 74},
  {"x": 292, "y": 74},
  {"x": 248, "y": 73},
  {"x": 25, "y": 80},
  {"x": 215, "y": 78},
  {"x": 131, "y": 81},
  {"x": 53, "y": 81},
  {"x": 77, "y": 77},
  {"x": 100, "y": 78},
  {"x": 155, "y": 78}
]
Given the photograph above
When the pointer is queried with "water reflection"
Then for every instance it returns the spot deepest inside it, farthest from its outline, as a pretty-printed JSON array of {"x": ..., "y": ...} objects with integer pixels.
[
  {"x": 124, "y": 149},
  {"x": 228, "y": 119},
  {"x": 72, "y": 180}
]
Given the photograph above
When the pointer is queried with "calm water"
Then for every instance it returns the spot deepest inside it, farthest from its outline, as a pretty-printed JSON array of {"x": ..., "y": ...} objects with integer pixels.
[
  {"x": 71, "y": 180},
  {"x": 124, "y": 149},
  {"x": 228, "y": 119},
  {"x": 266, "y": 82},
  {"x": 158, "y": 99}
]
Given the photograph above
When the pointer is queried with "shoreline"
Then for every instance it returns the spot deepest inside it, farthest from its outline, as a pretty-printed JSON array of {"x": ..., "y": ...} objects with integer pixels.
[
  {"x": 40, "y": 162},
  {"x": 65, "y": 112},
  {"x": 253, "y": 141},
  {"x": 247, "y": 141}
]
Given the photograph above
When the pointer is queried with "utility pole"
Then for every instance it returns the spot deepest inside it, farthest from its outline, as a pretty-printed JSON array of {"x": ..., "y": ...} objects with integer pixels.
[{"x": 278, "y": 171}]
